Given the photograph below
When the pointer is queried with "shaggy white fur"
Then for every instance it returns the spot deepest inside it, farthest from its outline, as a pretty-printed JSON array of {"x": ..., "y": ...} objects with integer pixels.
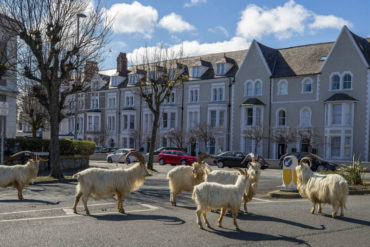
[
  {"x": 210, "y": 195},
  {"x": 19, "y": 175},
  {"x": 103, "y": 182},
  {"x": 331, "y": 189}
]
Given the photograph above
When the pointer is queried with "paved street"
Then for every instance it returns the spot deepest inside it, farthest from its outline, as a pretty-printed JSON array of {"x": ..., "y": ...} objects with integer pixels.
[{"x": 45, "y": 218}]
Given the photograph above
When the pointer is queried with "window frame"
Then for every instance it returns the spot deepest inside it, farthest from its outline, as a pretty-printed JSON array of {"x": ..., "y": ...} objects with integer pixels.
[{"x": 280, "y": 85}]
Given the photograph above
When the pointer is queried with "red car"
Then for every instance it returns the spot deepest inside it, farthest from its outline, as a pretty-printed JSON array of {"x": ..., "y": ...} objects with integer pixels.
[{"x": 175, "y": 157}]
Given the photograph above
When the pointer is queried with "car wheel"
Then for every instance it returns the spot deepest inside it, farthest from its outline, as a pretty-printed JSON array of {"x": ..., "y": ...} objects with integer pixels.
[
  {"x": 320, "y": 168},
  {"x": 220, "y": 164},
  {"x": 161, "y": 162},
  {"x": 183, "y": 162},
  {"x": 110, "y": 160}
]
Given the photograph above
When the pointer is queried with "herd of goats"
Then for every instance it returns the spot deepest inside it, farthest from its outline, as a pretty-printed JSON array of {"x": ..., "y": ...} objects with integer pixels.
[{"x": 217, "y": 189}]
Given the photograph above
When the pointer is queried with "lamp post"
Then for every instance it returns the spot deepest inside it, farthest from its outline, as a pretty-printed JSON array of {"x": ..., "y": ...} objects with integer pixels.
[
  {"x": 3, "y": 113},
  {"x": 80, "y": 15}
]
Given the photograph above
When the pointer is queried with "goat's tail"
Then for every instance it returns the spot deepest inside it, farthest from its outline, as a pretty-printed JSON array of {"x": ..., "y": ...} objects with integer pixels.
[{"x": 76, "y": 176}]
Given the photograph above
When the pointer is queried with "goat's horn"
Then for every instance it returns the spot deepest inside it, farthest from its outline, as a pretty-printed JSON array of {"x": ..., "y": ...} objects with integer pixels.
[
  {"x": 203, "y": 156},
  {"x": 120, "y": 157},
  {"x": 19, "y": 153},
  {"x": 139, "y": 157},
  {"x": 304, "y": 159},
  {"x": 240, "y": 170},
  {"x": 246, "y": 157}
]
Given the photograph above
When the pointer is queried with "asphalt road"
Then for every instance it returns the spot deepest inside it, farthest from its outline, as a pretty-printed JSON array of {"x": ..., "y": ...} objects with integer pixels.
[{"x": 44, "y": 218}]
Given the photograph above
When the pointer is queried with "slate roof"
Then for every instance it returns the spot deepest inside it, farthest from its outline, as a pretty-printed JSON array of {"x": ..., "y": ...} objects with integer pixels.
[
  {"x": 363, "y": 45},
  {"x": 293, "y": 61},
  {"x": 340, "y": 97},
  {"x": 253, "y": 101}
]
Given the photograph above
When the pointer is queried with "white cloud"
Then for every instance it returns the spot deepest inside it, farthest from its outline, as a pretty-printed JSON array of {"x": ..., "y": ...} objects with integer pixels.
[
  {"x": 328, "y": 21},
  {"x": 219, "y": 29},
  {"x": 193, "y": 48},
  {"x": 283, "y": 21},
  {"x": 133, "y": 18},
  {"x": 175, "y": 24},
  {"x": 194, "y": 3}
]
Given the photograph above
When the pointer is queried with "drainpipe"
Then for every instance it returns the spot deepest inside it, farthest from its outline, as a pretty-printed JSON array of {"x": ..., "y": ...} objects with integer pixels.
[
  {"x": 119, "y": 118},
  {"x": 269, "y": 132},
  {"x": 231, "y": 82},
  {"x": 182, "y": 115},
  {"x": 140, "y": 119}
]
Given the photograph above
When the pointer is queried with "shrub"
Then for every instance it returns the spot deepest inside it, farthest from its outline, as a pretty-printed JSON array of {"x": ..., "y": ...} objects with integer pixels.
[{"x": 67, "y": 146}]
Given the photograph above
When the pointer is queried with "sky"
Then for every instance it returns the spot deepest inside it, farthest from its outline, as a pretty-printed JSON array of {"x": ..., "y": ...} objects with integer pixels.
[{"x": 210, "y": 26}]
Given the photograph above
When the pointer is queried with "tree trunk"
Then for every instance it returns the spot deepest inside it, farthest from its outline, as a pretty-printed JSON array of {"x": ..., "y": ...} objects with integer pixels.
[
  {"x": 153, "y": 140},
  {"x": 33, "y": 132},
  {"x": 54, "y": 150}
]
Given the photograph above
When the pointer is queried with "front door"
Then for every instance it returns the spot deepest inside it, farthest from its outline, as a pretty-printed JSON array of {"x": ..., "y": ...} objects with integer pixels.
[{"x": 281, "y": 149}]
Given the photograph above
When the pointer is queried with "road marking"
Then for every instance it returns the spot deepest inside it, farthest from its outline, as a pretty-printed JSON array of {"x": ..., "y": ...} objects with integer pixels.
[
  {"x": 49, "y": 209},
  {"x": 68, "y": 211},
  {"x": 288, "y": 200},
  {"x": 150, "y": 208},
  {"x": 263, "y": 200}
]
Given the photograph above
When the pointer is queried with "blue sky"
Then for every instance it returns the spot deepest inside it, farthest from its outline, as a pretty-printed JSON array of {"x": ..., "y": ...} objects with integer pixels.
[{"x": 209, "y": 26}]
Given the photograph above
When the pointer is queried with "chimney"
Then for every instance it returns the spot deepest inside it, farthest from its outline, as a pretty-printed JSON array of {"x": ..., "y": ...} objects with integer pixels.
[
  {"x": 91, "y": 68},
  {"x": 122, "y": 62}
]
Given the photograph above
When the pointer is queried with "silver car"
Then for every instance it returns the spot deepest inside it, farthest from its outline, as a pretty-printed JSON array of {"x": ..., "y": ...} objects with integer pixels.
[{"x": 112, "y": 157}]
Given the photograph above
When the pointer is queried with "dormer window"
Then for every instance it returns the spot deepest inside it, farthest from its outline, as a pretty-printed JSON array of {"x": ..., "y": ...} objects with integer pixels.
[
  {"x": 220, "y": 69},
  {"x": 114, "y": 81},
  {"x": 196, "y": 71},
  {"x": 132, "y": 79}
]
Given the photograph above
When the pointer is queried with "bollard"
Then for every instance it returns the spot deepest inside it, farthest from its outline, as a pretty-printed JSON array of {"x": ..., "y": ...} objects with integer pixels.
[{"x": 289, "y": 174}]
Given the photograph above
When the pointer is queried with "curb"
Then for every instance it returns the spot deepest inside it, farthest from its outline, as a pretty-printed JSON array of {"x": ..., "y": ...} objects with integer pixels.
[
  {"x": 359, "y": 192},
  {"x": 284, "y": 195}
]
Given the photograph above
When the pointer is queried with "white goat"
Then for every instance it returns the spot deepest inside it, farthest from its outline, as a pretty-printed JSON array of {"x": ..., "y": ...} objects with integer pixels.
[
  {"x": 230, "y": 177},
  {"x": 210, "y": 195},
  {"x": 331, "y": 189},
  {"x": 103, "y": 182},
  {"x": 184, "y": 178},
  {"x": 20, "y": 175}
]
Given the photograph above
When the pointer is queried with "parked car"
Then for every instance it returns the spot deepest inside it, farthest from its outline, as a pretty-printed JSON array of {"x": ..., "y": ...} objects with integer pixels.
[
  {"x": 175, "y": 157},
  {"x": 318, "y": 164},
  {"x": 158, "y": 150},
  {"x": 234, "y": 159},
  {"x": 112, "y": 157},
  {"x": 108, "y": 150}
]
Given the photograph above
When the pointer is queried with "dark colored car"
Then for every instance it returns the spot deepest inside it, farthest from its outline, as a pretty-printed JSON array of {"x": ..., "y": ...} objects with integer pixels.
[
  {"x": 108, "y": 150},
  {"x": 175, "y": 157},
  {"x": 318, "y": 164},
  {"x": 234, "y": 159}
]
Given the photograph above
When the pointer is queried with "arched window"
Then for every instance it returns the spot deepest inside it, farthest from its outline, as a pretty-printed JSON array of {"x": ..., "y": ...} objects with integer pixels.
[
  {"x": 258, "y": 88},
  {"x": 347, "y": 81},
  {"x": 283, "y": 87},
  {"x": 249, "y": 88},
  {"x": 282, "y": 118},
  {"x": 335, "y": 82},
  {"x": 305, "y": 118},
  {"x": 307, "y": 85}
]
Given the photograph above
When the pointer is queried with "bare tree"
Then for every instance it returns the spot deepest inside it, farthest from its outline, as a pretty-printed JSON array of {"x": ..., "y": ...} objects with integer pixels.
[
  {"x": 204, "y": 132},
  {"x": 32, "y": 112},
  {"x": 284, "y": 136},
  {"x": 136, "y": 135},
  {"x": 50, "y": 51},
  {"x": 255, "y": 133},
  {"x": 311, "y": 137},
  {"x": 163, "y": 72},
  {"x": 176, "y": 137}
]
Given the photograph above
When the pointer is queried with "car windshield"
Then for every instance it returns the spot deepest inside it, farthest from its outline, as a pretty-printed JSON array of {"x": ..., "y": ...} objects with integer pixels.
[{"x": 226, "y": 154}]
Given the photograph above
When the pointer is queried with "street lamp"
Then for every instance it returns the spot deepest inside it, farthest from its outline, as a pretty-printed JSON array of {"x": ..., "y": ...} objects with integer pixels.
[{"x": 79, "y": 15}]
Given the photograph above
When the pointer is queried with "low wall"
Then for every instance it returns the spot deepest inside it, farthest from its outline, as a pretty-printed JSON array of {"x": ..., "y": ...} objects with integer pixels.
[
  {"x": 68, "y": 163},
  {"x": 98, "y": 156}
]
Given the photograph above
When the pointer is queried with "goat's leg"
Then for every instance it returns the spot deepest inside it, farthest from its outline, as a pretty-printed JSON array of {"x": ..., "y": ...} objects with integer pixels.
[
  {"x": 119, "y": 203},
  {"x": 341, "y": 209},
  {"x": 173, "y": 198},
  {"x": 319, "y": 208},
  {"x": 245, "y": 203},
  {"x": 313, "y": 207},
  {"x": 198, "y": 212},
  {"x": 20, "y": 188},
  {"x": 335, "y": 209},
  {"x": 77, "y": 199},
  {"x": 235, "y": 213},
  {"x": 222, "y": 213},
  {"x": 84, "y": 200},
  {"x": 205, "y": 219}
]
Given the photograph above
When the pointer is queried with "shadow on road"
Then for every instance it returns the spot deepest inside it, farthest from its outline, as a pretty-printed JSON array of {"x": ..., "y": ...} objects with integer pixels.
[
  {"x": 31, "y": 200},
  {"x": 254, "y": 236},
  {"x": 168, "y": 220},
  {"x": 257, "y": 217},
  {"x": 350, "y": 220}
]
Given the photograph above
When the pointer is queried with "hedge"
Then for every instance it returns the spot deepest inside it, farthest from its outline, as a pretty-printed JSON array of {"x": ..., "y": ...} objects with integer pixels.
[{"x": 67, "y": 146}]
